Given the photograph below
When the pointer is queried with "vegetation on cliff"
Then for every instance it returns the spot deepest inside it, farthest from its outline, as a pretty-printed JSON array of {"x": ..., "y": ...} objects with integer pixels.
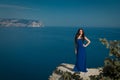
[{"x": 111, "y": 69}]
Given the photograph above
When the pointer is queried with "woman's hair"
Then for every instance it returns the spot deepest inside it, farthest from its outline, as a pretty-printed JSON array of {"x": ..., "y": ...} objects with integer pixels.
[{"x": 78, "y": 33}]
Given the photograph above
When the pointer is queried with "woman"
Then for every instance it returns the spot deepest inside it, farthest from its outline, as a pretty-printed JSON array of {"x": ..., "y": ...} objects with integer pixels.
[{"x": 80, "y": 65}]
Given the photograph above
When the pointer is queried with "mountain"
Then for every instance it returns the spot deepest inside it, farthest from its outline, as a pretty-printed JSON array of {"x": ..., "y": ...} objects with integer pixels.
[{"x": 4, "y": 22}]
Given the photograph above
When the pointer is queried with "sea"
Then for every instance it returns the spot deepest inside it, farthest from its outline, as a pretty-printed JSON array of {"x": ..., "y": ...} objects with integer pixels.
[{"x": 28, "y": 53}]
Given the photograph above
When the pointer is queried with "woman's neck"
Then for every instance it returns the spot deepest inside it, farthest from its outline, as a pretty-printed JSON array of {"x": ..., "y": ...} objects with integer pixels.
[{"x": 80, "y": 36}]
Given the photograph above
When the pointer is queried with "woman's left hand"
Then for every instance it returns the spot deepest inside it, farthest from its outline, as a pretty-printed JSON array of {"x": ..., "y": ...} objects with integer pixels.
[{"x": 84, "y": 45}]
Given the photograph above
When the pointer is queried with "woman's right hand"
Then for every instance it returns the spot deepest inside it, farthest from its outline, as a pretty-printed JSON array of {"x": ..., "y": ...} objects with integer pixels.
[{"x": 75, "y": 51}]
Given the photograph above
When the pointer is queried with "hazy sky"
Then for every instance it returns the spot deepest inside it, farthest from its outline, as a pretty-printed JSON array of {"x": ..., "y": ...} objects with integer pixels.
[{"x": 64, "y": 12}]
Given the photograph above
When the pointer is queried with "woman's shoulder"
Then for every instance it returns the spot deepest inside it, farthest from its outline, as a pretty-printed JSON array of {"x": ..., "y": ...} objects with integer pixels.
[{"x": 86, "y": 38}]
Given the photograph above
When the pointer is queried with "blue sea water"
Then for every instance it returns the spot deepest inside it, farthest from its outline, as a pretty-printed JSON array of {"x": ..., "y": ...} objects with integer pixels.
[{"x": 33, "y": 53}]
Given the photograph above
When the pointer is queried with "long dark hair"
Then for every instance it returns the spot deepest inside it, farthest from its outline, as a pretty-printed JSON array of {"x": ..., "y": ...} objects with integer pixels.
[{"x": 78, "y": 33}]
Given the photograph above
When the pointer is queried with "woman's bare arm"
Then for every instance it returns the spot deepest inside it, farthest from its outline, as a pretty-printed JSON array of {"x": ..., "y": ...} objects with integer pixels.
[
  {"x": 75, "y": 48},
  {"x": 88, "y": 42}
]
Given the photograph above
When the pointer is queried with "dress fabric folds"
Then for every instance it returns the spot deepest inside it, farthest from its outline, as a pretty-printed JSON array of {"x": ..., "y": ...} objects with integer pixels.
[{"x": 80, "y": 65}]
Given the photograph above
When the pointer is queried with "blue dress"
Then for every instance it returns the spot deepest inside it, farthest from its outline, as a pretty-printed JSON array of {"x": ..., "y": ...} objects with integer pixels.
[{"x": 80, "y": 65}]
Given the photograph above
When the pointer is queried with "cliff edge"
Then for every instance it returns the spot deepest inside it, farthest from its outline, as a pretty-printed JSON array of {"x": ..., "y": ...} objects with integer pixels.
[{"x": 64, "y": 70}]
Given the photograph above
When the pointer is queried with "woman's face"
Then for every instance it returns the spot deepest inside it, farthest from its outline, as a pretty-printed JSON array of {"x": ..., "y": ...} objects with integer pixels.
[{"x": 81, "y": 32}]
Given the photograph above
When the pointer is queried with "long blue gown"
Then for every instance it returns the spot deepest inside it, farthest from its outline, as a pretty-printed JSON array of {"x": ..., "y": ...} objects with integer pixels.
[{"x": 80, "y": 65}]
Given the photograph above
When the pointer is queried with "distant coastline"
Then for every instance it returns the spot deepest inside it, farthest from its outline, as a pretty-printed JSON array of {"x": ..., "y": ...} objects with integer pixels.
[{"x": 8, "y": 22}]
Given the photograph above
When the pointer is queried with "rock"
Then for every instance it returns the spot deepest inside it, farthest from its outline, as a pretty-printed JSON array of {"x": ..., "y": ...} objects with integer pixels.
[{"x": 64, "y": 67}]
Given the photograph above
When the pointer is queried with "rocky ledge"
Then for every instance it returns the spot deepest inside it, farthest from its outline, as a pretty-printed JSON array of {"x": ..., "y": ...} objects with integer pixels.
[{"x": 64, "y": 72}]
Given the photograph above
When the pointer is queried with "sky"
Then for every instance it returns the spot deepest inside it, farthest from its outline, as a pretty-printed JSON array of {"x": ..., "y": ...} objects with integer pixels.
[{"x": 104, "y": 13}]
